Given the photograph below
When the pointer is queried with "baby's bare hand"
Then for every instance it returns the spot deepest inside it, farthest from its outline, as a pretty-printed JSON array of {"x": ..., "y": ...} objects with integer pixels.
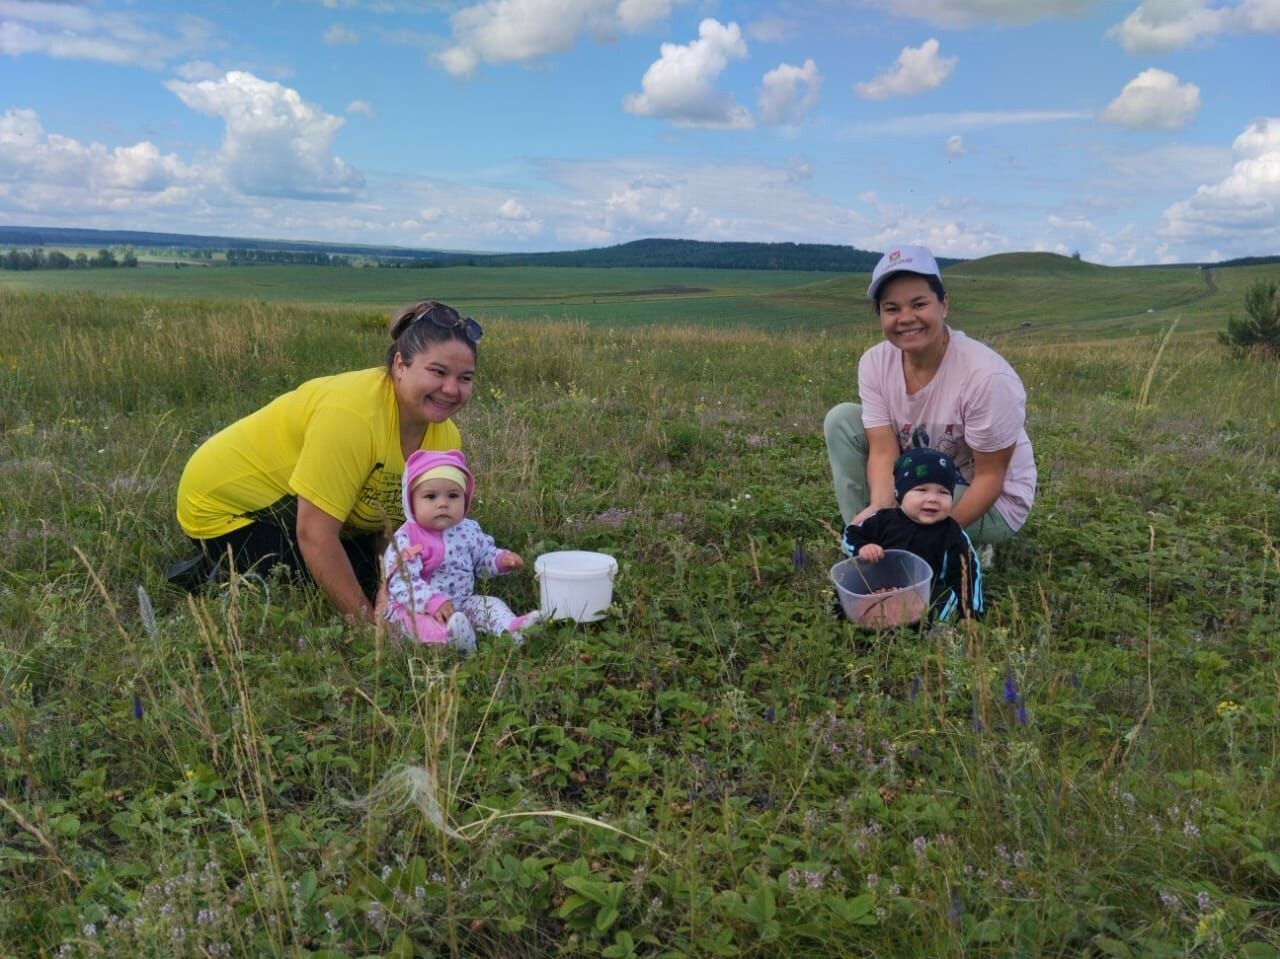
[
  {"x": 509, "y": 561},
  {"x": 445, "y": 611},
  {"x": 871, "y": 553}
]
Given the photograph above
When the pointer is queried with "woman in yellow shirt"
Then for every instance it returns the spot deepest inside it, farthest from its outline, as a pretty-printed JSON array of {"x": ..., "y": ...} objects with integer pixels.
[{"x": 312, "y": 479}]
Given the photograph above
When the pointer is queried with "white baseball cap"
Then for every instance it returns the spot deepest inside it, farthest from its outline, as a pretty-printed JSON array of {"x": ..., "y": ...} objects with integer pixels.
[{"x": 903, "y": 259}]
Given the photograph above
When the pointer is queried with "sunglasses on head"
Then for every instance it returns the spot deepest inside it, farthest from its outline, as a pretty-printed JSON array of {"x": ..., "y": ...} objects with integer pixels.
[{"x": 447, "y": 318}]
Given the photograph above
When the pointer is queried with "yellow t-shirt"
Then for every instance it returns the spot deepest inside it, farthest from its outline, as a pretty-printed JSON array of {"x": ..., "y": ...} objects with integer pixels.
[{"x": 334, "y": 440}]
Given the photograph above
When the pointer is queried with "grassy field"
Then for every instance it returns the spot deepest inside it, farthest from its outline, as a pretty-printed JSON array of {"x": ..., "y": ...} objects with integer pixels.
[
  {"x": 1028, "y": 297},
  {"x": 719, "y": 767},
  {"x": 623, "y": 297}
]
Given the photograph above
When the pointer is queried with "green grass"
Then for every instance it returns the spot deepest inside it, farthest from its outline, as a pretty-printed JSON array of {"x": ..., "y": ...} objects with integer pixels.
[
  {"x": 1011, "y": 298},
  {"x": 523, "y": 291},
  {"x": 718, "y": 768},
  {"x": 1044, "y": 298}
]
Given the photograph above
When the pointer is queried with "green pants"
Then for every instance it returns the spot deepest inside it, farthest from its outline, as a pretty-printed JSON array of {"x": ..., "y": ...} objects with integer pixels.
[{"x": 847, "y": 449}]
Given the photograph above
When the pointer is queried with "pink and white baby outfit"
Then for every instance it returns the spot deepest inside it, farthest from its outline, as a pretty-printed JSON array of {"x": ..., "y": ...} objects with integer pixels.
[{"x": 426, "y": 568}]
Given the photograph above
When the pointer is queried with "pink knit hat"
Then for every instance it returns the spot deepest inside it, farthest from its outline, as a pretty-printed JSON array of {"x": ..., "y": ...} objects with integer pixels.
[{"x": 422, "y": 461}]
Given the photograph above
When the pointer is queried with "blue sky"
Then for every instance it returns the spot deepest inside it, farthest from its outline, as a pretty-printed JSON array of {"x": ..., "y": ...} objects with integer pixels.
[{"x": 1133, "y": 131}]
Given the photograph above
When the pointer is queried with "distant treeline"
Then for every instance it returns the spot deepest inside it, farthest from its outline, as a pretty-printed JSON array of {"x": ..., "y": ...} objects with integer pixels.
[
  {"x": 640, "y": 253},
  {"x": 698, "y": 254},
  {"x": 65, "y": 236},
  {"x": 303, "y": 258},
  {"x": 1247, "y": 261},
  {"x": 38, "y": 259}
]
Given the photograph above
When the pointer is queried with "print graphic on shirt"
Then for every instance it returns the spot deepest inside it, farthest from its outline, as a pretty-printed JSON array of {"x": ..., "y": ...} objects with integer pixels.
[
  {"x": 951, "y": 443},
  {"x": 379, "y": 498}
]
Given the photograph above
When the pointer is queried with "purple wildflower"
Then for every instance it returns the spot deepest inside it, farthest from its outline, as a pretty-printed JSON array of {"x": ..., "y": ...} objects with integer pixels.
[
  {"x": 1021, "y": 713},
  {"x": 798, "y": 558},
  {"x": 1010, "y": 688},
  {"x": 137, "y": 706}
]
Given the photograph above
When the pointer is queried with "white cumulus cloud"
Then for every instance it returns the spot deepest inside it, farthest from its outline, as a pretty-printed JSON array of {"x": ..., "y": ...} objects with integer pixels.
[
  {"x": 139, "y": 167},
  {"x": 504, "y": 31},
  {"x": 955, "y": 146},
  {"x": 916, "y": 70},
  {"x": 680, "y": 85},
  {"x": 638, "y": 14},
  {"x": 1258, "y": 16},
  {"x": 789, "y": 92},
  {"x": 513, "y": 219},
  {"x": 274, "y": 143},
  {"x": 1260, "y": 139},
  {"x": 1154, "y": 99},
  {"x": 1243, "y": 208},
  {"x": 44, "y": 174},
  {"x": 1160, "y": 25},
  {"x": 27, "y": 152},
  {"x": 74, "y": 31},
  {"x": 525, "y": 31},
  {"x": 513, "y": 209}
]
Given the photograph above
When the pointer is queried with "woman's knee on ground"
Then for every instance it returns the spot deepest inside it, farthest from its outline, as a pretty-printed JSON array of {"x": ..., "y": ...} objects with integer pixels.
[{"x": 843, "y": 423}]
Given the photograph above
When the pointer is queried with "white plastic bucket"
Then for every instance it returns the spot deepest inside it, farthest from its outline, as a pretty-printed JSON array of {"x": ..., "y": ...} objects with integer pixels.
[
  {"x": 892, "y": 592},
  {"x": 575, "y": 584}
]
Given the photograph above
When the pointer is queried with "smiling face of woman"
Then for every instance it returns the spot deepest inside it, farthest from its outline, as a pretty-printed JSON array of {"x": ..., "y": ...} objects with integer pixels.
[
  {"x": 435, "y": 384},
  {"x": 912, "y": 315}
]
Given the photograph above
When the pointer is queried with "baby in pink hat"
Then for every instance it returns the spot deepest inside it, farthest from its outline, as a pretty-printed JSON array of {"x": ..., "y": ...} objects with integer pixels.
[{"x": 432, "y": 563}]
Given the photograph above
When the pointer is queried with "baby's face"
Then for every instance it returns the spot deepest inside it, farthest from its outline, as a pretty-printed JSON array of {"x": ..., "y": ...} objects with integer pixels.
[
  {"x": 438, "y": 504},
  {"x": 927, "y": 503}
]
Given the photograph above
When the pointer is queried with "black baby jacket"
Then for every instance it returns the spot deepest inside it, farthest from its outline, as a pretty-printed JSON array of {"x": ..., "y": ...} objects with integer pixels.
[{"x": 957, "y": 575}]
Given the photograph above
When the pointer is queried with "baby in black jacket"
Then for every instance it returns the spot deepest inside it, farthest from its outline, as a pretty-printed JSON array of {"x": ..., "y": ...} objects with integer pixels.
[{"x": 924, "y": 481}]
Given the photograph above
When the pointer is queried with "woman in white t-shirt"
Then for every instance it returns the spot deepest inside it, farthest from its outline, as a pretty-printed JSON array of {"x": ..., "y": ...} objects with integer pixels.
[{"x": 930, "y": 385}]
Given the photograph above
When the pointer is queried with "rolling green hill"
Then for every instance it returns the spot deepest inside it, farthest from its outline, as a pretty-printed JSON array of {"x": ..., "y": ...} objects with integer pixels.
[
  {"x": 1022, "y": 297},
  {"x": 1044, "y": 297},
  {"x": 1034, "y": 295},
  {"x": 1030, "y": 264}
]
